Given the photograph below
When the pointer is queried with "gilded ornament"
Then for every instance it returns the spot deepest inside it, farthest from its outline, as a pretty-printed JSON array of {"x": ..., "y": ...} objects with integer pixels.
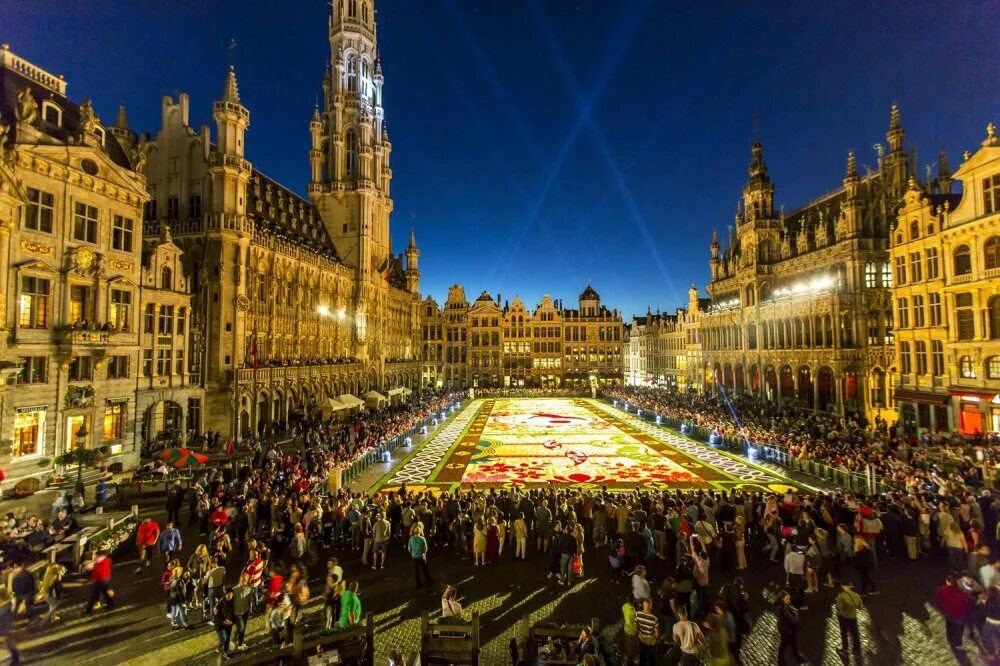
[
  {"x": 36, "y": 248},
  {"x": 84, "y": 258}
]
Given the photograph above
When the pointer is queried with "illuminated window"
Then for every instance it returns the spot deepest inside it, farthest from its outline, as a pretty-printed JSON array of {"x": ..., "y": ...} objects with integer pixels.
[
  {"x": 870, "y": 275},
  {"x": 886, "y": 275},
  {"x": 39, "y": 212},
  {"x": 993, "y": 367},
  {"x": 965, "y": 368},
  {"x": 34, "y": 303},
  {"x": 120, "y": 311},
  {"x": 79, "y": 303},
  {"x": 114, "y": 422},
  {"x": 29, "y": 432}
]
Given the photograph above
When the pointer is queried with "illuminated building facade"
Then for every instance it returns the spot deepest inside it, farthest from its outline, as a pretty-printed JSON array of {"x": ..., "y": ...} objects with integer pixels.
[
  {"x": 801, "y": 302},
  {"x": 295, "y": 300},
  {"x": 661, "y": 347},
  {"x": 71, "y": 197},
  {"x": 488, "y": 345},
  {"x": 946, "y": 258}
]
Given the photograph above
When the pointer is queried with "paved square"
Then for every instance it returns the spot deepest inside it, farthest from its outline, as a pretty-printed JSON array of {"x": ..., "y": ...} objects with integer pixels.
[{"x": 534, "y": 442}]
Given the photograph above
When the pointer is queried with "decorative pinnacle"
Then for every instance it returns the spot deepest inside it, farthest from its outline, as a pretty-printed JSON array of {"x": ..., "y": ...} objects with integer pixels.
[
  {"x": 894, "y": 120},
  {"x": 231, "y": 91},
  {"x": 715, "y": 236},
  {"x": 852, "y": 165},
  {"x": 413, "y": 239},
  {"x": 991, "y": 136}
]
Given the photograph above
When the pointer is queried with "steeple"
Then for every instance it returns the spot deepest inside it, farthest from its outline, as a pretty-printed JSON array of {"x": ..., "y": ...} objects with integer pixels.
[
  {"x": 758, "y": 194},
  {"x": 413, "y": 240},
  {"x": 896, "y": 166},
  {"x": 850, "y": 221},
  {"x": 895, "y": 134},
  {"x": 121, "y": 130},
  {"x": 852, "y": 165},
  {"x": 231, "y": 91}
]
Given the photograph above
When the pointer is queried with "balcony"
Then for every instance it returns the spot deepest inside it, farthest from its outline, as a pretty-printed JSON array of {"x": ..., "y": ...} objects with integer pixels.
[
  {"x": 74, "y": 337},
  {"x": 278, "y": 373}
]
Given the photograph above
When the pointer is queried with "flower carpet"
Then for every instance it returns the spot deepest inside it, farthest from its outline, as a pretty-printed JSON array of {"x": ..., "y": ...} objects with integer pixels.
[{"x": 534, "y": 442}]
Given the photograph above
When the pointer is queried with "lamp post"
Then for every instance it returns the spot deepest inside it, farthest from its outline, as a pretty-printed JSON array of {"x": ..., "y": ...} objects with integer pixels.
[{"x": 81, "y": 443}]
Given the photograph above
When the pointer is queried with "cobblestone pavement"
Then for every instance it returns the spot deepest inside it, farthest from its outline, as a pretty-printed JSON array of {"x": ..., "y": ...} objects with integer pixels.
[{"x": 900, "y": 626}]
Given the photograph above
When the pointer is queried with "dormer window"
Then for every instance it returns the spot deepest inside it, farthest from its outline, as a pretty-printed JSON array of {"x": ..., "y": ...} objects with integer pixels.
[
  {"x": 51, "y": 113},
  {"x": 101, "y": 134},
  {"x": 991, "y": 194}
]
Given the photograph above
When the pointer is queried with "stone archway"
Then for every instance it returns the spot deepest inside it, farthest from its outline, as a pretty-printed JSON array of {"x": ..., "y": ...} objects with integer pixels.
[
  {"x": 728, "y": 380},
  {"x": 755, "y": 380},
  {"x": 741, "y": 381},
  {"x": 805, "y": 389},
  {"x": 164, "y": 420},
  {"x": 824, "y": 389},
  {"x": 771, "y": 382},
  {"x": 787, "y": 383}
]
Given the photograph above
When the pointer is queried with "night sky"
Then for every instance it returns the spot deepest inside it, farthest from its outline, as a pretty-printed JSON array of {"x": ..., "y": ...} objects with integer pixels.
[{"x": 539, "y": 144}]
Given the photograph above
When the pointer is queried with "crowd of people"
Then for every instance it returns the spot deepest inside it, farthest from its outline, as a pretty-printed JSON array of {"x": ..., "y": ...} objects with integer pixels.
[
  {"x": 681, "y": 559},
  {"x": 849, "y": 443}
]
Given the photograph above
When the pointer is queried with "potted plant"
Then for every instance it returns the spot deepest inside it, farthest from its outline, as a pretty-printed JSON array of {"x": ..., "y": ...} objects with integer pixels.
[{"x": 80, "y": 457}]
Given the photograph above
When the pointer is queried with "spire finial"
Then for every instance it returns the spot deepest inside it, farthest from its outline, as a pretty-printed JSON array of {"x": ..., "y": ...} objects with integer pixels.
[
  {"x": 852, "y": 165},
  {"x": 231, "y": 91},
  {"x": 894, "y": 119},
  {"x": 715, "y": 236},
  {"x": 413, "y": 238},
  {"x": 991, "y": 135},
  {"x": 121, "y": 120}
]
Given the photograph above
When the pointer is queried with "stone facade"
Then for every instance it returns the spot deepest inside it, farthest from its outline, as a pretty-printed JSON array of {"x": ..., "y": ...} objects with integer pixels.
[
  {"x": 946, "y": 259},
  {"x": 295, "y": 300},
  {"x": 489, "y": 345},
  {"x": 801, "y": 302},
  {"x": 71, "y": 197},
  {"x": 662, "y": 347}
]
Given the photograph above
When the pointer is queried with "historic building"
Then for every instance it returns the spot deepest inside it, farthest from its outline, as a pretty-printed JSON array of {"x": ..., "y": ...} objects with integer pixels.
[
  {"x": 946, "y": 262},
  {"x": 71, "y": 197},
  {"x": 660, "y": 347},
  {"x": 487, "y": 344},
  {"x": 801, "y": 301},
  {"x": 295, "y": 300}
]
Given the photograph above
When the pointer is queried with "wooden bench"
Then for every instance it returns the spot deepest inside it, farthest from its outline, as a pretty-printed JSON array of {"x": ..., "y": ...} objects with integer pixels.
[{"x": 449, "y": 643}]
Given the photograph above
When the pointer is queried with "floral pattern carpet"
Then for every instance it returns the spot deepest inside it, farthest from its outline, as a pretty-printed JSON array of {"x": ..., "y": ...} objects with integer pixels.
[{"x": 531, "y": 442}]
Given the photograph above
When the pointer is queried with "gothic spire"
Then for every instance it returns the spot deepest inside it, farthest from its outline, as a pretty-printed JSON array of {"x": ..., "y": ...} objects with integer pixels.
[
  {"x": 852, "y": 165},
  {"x": 121, "y": 121},
  {"x": 758, "y": 168},
  {"x": 894, "y": 119},
  {"x": 231, "y": 91},
  {"x": 413, "y": 239}
]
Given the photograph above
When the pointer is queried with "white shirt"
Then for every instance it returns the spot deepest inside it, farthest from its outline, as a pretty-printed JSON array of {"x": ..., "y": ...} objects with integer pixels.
[{"x": 450, "y": 608}]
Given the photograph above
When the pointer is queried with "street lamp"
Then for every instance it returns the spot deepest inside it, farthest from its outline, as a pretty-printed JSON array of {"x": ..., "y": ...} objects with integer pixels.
[{"x": 81, "y": 443}]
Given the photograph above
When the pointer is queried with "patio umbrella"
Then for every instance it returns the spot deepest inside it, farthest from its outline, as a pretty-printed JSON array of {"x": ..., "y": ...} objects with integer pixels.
[
  {"x": 190, "y": 460},
  {"x": 172, "y": 455}
]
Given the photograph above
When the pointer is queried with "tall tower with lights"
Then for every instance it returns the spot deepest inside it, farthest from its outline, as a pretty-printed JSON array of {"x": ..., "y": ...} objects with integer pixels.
[{"x": 349, "y": 163}]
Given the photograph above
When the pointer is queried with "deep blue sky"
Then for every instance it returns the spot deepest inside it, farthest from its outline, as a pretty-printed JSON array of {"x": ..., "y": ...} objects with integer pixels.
[{"x": 539, "y": 143}]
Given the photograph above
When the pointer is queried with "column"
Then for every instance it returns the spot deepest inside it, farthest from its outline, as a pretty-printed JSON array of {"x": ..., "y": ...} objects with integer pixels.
[{"x": 838, "y": 387}]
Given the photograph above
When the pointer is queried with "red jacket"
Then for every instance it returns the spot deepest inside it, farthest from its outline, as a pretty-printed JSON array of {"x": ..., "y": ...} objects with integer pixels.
[
  {"x": 148, "y": 533},
  {"x": 219, "y": 517},
  {"x": 955, "y": 604},
  {"x": 101, "y": 570}
]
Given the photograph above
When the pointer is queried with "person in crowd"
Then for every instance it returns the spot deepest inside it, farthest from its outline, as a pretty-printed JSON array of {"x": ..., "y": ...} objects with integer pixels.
[
  {"x": 957, "y": 606},
  {"x": 146, "y": 537},
  {"x": 687, "y": 637},
  {"x": 350, "y": 606},
  {"x": 848, "y": 604},
  {"x": 451, "y": 606}
]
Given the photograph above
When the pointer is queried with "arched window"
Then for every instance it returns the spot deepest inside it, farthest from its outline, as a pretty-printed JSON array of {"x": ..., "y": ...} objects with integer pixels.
[
  {"x": 991, "y": 253},
  {"x": 351, "y": 140},
  {"x": 914, "y": 230},
  {"x": 965, "y": 368},
  {"x": 962, "y": 260},
  {"x": 51, "y": 113},
  {"x": 166, "y": 278},
  {"x": 870, "y": 275},
  {"x": 994, "y": 314},
  {"x": 366, "y": 79},
  {"x": 352, "y": 74},
  {"x": 886, "y": 275},
  {"x": 993, "y": 367},
  {"x": 352, "y": 8},
  {"x": 364, "y": 13}
]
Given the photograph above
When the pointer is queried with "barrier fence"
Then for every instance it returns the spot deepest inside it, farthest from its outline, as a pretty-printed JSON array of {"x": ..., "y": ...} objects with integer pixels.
[
  {"x": 377, "y": 454},
  {"x": 853, "y": 481}
]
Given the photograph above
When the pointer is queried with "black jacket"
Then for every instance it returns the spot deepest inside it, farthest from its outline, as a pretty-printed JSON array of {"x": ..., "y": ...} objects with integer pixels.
[{"x": 23, "y": 584}]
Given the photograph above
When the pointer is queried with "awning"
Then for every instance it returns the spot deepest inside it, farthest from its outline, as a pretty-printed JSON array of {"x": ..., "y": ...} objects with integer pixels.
[
  {"x": 394, "y": 392},
  {"x": 350, "y": 401},
  {"x": 375, "y": 398},
  {"x": 398, "y": 394},
  {"x": 925, "y": 397},
  {"x": 333, "y": 405}
]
